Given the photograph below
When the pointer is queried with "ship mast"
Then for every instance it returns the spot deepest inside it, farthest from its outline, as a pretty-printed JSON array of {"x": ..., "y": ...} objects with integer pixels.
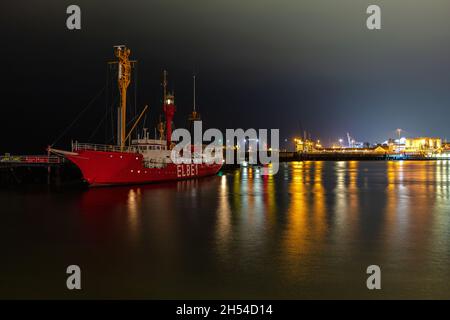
[
  {"x": 124, "y": 75},
  {"x": 161, "y": 126}
]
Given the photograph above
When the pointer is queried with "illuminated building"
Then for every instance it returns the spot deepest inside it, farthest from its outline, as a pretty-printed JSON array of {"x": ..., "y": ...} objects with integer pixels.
[
  {"x": 396, "y": 145},
  {"x": 423, "y": 144},
  {"x": 307, "y": 145},
  {"x": 379, "y": 149},
  {"x": 418, "y": 146},
  {"x": 446, "y": 146}
]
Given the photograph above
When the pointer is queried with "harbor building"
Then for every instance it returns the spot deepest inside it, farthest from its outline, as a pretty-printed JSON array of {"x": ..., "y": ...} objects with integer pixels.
[{"x": 423, "y": 144}]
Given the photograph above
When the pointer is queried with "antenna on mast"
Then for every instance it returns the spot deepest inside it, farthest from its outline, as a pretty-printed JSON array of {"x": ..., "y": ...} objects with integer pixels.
[
  {"x": 194, "y": 92},
  {"x": 164, "y": 85},
  {"x": 194, "y": 116}
]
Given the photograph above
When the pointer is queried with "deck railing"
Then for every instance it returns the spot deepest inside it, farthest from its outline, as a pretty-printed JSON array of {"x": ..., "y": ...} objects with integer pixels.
[{"x": 102, "y": 147}]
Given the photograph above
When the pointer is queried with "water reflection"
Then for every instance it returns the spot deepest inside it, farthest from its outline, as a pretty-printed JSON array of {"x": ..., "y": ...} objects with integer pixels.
[
  {"x": 306, "y": 224},
  {"x": 315, "y": 224},
  {"x": 320, "y": 225},
  {"x": 134, "y": 203},
  {"x": 270, "y": 200},
  {"x": 296, "y": 233},
  {"x": 394, "y": 215},
  {"x": 397, "y": 204},
  {"x": 223, "y": 232},
  {"x": 441, "y": 217},
  {"x": 346, "y": 208}
]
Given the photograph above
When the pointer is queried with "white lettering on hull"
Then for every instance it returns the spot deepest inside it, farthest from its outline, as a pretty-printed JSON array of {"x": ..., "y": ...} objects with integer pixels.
[{"x": 187, "y": 170}]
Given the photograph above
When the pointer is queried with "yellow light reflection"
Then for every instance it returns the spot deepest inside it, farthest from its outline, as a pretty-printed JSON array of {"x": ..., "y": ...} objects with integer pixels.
[
  {"x": 306, "y": 222},
  {"x": 410, "y": 202},
  {"x": 319, "y": 209},
  {"x": 223, "y": 216},
  {"x": 133, "y": 205},
  {"x": 295, "y": 244}
]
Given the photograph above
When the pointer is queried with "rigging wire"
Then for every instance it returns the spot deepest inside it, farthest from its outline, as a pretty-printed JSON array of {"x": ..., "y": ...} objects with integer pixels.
[
  {"x": 107, "y": 113},
  {"x": 135, "y": 87},
  {"x": 108, "y": 88},
  {"x": 127, "y": 124},
  {"x": 106, "y": 98},
  {"x": 78, "y": 116},
  {"x": 113, "y": 136},
  {"x": 99, "y": 125}
]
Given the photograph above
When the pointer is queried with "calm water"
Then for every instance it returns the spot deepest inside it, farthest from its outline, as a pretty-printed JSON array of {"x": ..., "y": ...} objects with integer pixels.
[{"x": 309, "y": 232}]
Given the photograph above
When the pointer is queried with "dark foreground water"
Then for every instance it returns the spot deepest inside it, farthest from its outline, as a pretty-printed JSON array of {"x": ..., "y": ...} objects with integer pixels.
[{"x": 308, "y": 232}]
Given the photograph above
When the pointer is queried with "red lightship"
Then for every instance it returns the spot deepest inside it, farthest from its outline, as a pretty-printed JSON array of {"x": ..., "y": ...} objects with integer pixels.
[{"x": 143, "y": 160}]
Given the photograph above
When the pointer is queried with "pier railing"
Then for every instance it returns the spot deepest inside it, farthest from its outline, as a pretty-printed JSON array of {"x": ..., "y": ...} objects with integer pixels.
[
  {"x": 102, "y": 147},
  {"x": 30, "y": 159}
]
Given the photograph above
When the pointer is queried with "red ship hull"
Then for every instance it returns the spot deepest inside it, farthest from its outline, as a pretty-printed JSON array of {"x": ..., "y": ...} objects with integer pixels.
[{"x": 101, "y": 168}]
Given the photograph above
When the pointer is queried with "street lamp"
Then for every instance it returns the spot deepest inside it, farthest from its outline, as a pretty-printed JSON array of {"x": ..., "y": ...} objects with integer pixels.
[{"x": 399, "y": 132}]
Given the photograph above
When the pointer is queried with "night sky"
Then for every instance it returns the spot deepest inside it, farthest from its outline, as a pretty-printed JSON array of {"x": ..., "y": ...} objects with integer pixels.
[{"x": 288, "y": 64}]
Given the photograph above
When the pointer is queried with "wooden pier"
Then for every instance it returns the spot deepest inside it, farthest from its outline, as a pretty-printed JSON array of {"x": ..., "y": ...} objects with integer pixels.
[
  {"x": 36, "y": 169},
  {"x": 20, "y": 161}
]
